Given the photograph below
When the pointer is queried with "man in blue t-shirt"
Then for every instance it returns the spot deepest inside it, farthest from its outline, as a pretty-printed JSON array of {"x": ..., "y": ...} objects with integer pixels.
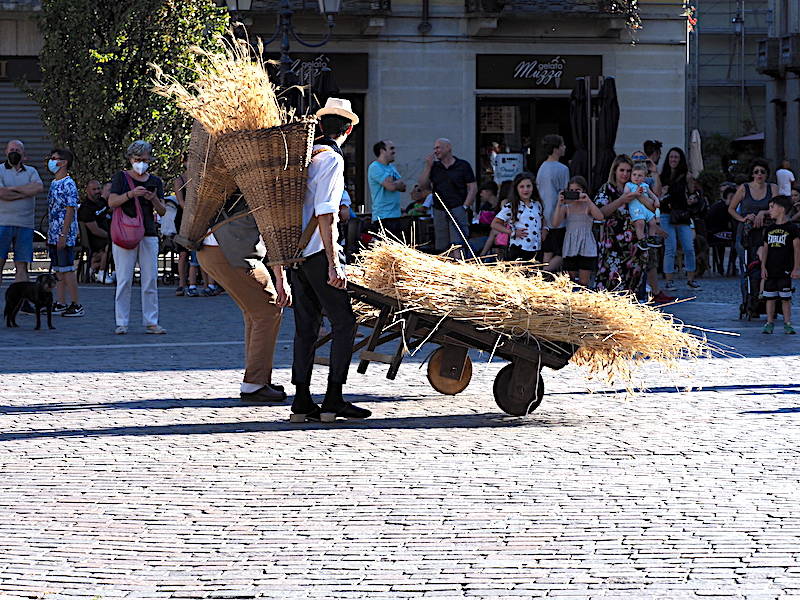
[{"x": 384, "y": 182}]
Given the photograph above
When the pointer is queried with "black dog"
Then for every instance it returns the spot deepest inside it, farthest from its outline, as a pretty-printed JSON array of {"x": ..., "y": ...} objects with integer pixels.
[{"x": 40, "y": 293}]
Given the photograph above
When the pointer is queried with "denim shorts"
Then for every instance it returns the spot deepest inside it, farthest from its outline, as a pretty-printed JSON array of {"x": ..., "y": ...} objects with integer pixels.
[
  {"x": 61, "y": 261},
  {"x": 18, "y": 239},
  {"x": 193, "y": 259},
  {"x": 639, "y": 212}
]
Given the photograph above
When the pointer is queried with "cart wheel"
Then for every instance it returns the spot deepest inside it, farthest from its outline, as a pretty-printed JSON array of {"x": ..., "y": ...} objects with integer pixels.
[
  {"x": 502, "y": 396},
  {"x": 445, "y": 385}
]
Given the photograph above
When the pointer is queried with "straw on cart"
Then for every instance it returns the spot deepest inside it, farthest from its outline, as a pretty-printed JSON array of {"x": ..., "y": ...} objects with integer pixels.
[
  {"x": 208, "y": 184},
  {"x": 610, "y": 329}
]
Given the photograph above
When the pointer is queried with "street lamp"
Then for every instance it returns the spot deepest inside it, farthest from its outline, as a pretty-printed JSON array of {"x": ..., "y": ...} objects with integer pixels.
[{"x": 285, "y": 29}]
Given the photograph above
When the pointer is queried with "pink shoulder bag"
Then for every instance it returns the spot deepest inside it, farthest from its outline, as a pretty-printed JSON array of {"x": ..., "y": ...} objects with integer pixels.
[{"x": 127, "y": 232}]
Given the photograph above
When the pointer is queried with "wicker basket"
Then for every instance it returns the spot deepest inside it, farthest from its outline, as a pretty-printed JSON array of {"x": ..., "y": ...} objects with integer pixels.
[
  {"x": 208, "y": 184},
  {"x": 270, "y": 168}
]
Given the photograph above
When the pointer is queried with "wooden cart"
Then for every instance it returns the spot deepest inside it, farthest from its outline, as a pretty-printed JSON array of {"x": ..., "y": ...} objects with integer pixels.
[{"x": 518, "y": 387}]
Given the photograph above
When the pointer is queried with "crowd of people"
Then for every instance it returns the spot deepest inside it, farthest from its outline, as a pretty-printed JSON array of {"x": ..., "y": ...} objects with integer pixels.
[
  {"x": 619, "y": 240},
  {"x": 618, "y": 237}
]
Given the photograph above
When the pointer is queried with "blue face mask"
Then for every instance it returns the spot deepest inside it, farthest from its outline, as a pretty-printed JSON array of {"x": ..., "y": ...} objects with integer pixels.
[{"x": 52, "y": 166}]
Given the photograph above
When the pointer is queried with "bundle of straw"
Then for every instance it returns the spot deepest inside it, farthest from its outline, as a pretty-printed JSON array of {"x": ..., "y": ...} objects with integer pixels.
[
  {"x": 233, "y": 91},
  {"x": 208, "y": 184},
  {"x": 610, "y": 329},
  {"x": 264, "y": 147}
]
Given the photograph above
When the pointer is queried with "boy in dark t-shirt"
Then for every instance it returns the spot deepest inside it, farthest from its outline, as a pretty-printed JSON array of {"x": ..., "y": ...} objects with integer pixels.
[{"x": 780, "y": 262}]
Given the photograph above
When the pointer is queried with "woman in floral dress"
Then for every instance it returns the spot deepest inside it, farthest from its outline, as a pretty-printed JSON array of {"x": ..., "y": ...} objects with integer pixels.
[{"x": 621, "y": 265}]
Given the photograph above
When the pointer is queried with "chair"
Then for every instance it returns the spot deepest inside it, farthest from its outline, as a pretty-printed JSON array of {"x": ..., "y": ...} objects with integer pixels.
[{"x": 84, "y": 254}]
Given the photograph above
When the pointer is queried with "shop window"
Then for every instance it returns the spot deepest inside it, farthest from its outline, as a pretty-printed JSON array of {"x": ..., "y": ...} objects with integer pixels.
[{"x": 510, "y": 131}]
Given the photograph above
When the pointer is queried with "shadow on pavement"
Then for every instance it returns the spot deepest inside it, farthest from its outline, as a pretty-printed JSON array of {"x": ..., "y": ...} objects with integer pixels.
[
  {"x": 777, "y": 411},
  {"x": 787, "y": 388},
  {"x": 168, "y": 404},
  {"x": 469, "y": 421}
]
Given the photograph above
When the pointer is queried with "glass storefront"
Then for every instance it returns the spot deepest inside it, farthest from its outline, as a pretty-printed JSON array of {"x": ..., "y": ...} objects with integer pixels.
[{"x": 510, "y": 130}]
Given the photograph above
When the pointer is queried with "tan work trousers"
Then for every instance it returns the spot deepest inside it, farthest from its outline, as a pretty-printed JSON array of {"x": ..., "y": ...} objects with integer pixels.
[{"x": 255, "y": 294}]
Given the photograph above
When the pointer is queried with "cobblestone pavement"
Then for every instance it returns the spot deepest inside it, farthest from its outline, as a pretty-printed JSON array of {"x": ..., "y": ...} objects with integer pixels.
[{"x": 129, "y": 468}]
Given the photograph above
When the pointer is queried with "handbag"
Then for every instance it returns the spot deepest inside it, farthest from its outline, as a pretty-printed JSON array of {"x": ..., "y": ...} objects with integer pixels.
[
  {"x": 127, "y": 232},
  {"x": 680, "y": 216},
  {"x": 501, "y": 239}
]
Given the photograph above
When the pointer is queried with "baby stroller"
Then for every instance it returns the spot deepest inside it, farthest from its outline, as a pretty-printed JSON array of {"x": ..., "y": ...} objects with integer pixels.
[{"x": 753, "y": 305}]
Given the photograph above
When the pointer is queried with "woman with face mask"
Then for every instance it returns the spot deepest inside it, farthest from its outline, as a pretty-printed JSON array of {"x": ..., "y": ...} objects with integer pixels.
[{"x": 129, "y": 187}]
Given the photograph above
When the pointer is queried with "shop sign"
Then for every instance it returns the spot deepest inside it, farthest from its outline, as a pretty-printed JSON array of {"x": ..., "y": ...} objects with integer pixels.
[
  {"x": 350, "y": 71},
  {"x": 507, "y": 166},
  {"x": 538, "y": 72},
  {"x": 14, "y": 68}
]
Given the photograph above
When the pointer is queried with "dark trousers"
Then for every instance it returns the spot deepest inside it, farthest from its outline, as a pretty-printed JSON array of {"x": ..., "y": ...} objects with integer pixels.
[{"x": 311, "y": 295}]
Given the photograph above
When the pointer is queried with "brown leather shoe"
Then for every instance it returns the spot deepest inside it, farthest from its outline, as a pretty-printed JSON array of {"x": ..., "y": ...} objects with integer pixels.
[{"x": 265, "y": 394}]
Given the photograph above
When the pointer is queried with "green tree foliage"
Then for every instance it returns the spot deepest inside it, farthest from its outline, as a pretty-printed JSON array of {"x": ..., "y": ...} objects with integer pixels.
[{"x": 96, "y": 76}]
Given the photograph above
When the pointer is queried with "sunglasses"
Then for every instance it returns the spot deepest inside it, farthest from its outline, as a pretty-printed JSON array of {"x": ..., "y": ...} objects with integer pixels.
[{"x": 759, "y": 171}]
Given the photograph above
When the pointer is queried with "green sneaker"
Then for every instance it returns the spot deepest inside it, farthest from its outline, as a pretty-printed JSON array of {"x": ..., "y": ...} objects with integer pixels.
[
  {"x": 788, "y": 329},
  {"x": 768, "y": 328}
]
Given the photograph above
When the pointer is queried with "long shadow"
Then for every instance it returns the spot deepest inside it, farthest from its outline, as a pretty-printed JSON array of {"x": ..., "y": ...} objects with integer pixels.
[
  {"x": 777, "y": 411},
  {"x": 470, "y": 421},
  {"x": 785, "y": 388},
  {"x": 164, "y": 404}
]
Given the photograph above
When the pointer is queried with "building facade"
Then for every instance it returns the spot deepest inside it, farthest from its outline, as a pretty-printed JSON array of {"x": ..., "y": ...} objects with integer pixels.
[
  {"x": 729, "y": 93},
  {"x": 779, "y": 58},
  {"x": 484, "y": 71},
  {"x": 478, "y": 72}
]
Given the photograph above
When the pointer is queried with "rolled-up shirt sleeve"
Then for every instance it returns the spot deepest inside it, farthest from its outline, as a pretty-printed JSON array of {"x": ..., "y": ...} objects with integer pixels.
[{"x": 329, "y": 183}]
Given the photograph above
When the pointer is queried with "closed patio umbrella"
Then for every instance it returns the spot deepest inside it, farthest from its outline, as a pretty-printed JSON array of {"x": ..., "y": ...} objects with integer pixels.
[
  {"x": 695, "y": 154},
  {"x": 579, "y": 115},
  {"x": 607, "y": 123}
]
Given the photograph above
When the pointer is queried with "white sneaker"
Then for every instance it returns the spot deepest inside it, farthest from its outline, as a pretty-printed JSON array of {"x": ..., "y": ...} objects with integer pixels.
[{"x": 110, "y": 278}]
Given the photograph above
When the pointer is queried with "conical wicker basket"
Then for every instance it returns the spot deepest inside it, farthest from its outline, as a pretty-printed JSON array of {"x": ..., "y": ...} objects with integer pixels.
[
  {"x": 270, "y": 166},
  {"x": 208, "y": 184}
]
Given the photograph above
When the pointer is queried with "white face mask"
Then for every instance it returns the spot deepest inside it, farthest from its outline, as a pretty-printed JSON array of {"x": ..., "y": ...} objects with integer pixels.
[
  {"x": 140, "y": 167},
  {"x": 52, "y": 166}
]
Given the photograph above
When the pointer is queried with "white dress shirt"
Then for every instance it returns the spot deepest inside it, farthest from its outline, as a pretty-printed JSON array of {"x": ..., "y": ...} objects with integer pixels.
[{"x": 324, "y": 192}]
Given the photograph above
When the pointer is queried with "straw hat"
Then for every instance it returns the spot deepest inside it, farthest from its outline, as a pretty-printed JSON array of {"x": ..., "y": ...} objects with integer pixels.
[{"x": 338, "y": 106}]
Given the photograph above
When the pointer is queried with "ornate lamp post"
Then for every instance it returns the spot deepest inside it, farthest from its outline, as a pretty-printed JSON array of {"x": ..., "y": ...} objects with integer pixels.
[{"x": 285, "y": 32}]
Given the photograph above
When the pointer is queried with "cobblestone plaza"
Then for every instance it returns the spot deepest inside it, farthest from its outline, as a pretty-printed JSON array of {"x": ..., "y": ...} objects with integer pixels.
[{"x": 130, "y": 468}]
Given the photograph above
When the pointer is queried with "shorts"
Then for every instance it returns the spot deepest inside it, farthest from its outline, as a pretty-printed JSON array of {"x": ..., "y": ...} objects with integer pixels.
[
  {"x": 554, "y": 242},
  {"x": 579, "y": 263},
  {"x": 639, "y": 212},
  {"x": 20, "y": 238},
  {"x": 61, "y": 261},
  {"x": 778, "y": 287},
  {"x": 516, "y": 253},
  {"x": 193, "y": 259}
]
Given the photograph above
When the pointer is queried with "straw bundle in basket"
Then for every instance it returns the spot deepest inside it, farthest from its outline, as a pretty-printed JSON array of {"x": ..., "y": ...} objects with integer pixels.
[
  {"x": 264, "y": 147},
  {"x": 208, "y": 184},
  {"x": 270, "y": 168},
  {"x": 610, "y": 329}
]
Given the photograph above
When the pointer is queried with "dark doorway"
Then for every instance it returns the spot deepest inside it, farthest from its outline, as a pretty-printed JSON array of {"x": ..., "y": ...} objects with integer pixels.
[{"x": 518, "y": 125}]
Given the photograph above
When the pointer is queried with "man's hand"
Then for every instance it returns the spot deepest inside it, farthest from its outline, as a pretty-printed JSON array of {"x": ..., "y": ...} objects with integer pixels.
[
  {"x": 62, "y": 242},
  {"x": 284, "y": 291},
  {"x": 344, "y": 213},
  {"x": 400, "y": 186},
  {"x": 429, "y": 160},
  {"x": 764, "y": 272},
  {"x": 337, "y": 277},
  {"x": 796, "y": 274}
]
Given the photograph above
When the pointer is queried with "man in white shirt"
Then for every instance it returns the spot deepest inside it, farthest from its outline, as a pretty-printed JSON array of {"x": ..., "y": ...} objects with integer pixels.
[
  {"x": 785, "y": 178},
  {"x": 319, "y": 282}
]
